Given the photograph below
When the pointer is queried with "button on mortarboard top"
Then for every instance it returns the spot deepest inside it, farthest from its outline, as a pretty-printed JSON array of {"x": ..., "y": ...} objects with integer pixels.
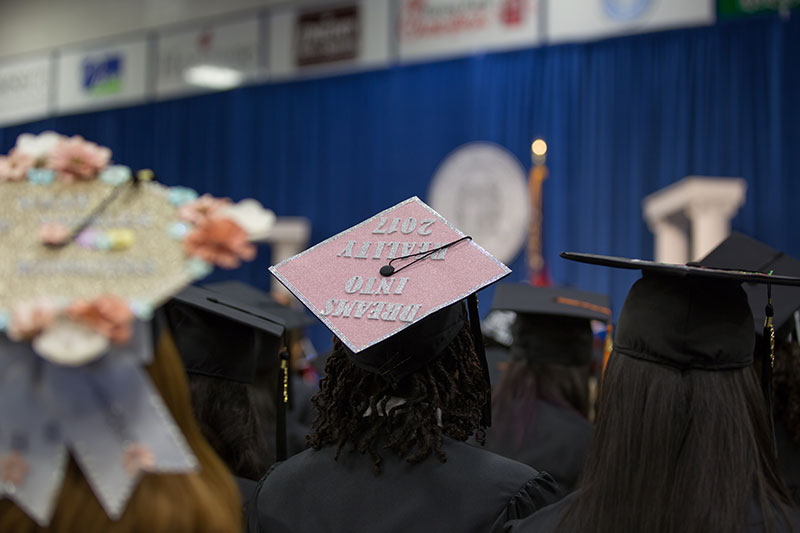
[{"x": 388, "y": 272}]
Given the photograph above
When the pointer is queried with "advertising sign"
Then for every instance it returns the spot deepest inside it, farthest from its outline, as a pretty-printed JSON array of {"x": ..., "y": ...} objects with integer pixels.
[
  {"x": 326, "y": 36},
  {"x": 211, "y": 57},
  {"x": 447, "y": 27},
  {"x": 102, "y": 76},
  {"x": 24, "y": 89},
  {"x": 738, "y": 8},
  {"x": 328, "y": 39},
  {"x": 578, "y": 20}
]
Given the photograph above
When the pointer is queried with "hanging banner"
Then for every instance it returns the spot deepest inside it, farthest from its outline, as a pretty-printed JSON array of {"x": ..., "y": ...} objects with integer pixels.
[
  {"x": 24, "y": 89},
  {"x": 580, "y": 20},
  {"x": 738, "y": 8},
  {"x": 327, "y": 36},
  {"x": 102, "y": 76},
  {"x": 431, "y": 28},
  {"x": 344, "y": 36},
  {"x": 214, "y": 57}
]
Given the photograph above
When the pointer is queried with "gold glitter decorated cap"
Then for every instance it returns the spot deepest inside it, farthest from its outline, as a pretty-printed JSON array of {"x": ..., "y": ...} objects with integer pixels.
[
  {"x": 97, "y": 245},
  {"x": 87, "y": 250}
]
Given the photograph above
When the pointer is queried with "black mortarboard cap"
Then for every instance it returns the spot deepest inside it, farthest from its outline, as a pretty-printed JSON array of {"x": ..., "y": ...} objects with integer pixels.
[
  {"x": 222, "y": 337},
  {"x": 741, "y": 251},
  {"x": 555, "y": 301},
  {"x": 687, "y": 317},
  {"x": 259, "y": 299},
  {"x": 553, "y": 324}
]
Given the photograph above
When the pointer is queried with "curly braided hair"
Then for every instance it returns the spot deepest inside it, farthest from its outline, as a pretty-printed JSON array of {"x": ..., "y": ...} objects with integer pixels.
[
  {"x": 786, "y": 378},
  {"x": 452, "y": 385}
]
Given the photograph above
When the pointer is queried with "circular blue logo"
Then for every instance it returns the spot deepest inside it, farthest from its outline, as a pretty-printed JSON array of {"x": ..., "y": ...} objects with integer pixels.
[{"x": 626, "y": 9}]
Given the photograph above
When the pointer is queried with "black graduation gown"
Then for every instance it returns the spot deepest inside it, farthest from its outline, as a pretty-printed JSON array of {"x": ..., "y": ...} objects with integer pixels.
[
  {"x": 788, "y": 459},
  {"x": 558, "y": 444},
  {"x": 547, "y": 520},
  {"x": 474, "y": 491},
  {"x": 247, "y": 487}
]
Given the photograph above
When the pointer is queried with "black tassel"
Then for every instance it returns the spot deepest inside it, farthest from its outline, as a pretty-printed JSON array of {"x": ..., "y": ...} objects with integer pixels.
[
  {"x": 768, "y": 361},
  {"x": 281, "y": 403}
]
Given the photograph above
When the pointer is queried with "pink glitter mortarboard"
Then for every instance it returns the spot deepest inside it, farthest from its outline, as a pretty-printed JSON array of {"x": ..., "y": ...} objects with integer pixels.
[{"x": 340, "y": 279}]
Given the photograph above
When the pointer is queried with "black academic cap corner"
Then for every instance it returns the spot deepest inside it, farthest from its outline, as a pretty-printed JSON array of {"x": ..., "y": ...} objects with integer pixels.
[
  {"x": 739, "y": 250},
  {"x": 231, "y": 308},
  {"x": 260, "y": 299},
  {"x": 222, "y": 337},
  {"x": 554, "y": 301}
]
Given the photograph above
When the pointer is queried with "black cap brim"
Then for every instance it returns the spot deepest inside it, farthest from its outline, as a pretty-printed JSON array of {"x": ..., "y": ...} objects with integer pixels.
[
  {"x": 739, "y": 276},
  {"x": 555, "y": 301},
  {"x": 261, "y": 300},
  {"x": 750, "y": 254},
  {"x": 222, "y": 337}
]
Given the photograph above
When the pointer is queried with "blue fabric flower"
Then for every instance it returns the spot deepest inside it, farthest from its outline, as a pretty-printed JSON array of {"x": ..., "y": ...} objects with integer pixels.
[
  {"x": 179, "y": 196},
  {"x": 197, "y": 268},
  {"x": 41, "y": 176},
  {"x": 116, "y": 175},
  {"x": 178, "y": 230},
  {"x": 141, "y": 310}
]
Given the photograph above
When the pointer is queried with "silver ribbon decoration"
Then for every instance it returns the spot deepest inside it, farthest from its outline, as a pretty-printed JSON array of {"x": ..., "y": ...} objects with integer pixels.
[{"x": 106, "y": 413}]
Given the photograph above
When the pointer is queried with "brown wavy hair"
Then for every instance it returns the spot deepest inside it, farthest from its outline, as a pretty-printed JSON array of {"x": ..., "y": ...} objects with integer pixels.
[
  {"x": 206, "y": 501},
  {"x": 453, "y": 385}
]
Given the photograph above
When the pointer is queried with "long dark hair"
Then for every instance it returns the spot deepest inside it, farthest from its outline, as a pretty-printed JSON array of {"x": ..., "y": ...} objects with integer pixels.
[
  {"x": 516, "y": 397},
  {"x": 666, "y": 441},
  {"x": 234, "y": 423},
  {"x": 452, "y": 385}
]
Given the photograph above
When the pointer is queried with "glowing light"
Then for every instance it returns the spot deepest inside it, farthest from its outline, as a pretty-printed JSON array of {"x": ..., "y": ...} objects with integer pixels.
[
  {"x": 539, "y": 147},
  {"x": 213, "y": 77}
]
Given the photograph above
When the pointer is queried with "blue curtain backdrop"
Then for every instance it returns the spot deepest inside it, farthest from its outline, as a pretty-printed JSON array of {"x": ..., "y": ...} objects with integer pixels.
[{"x": 622, "y": 117}]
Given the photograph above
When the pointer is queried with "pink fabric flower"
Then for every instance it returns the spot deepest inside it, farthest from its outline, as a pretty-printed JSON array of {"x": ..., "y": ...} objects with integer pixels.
[
  {"x": 53, "y": 233},
  {"x": 108, "y": 315},
  {"x": 137, "y": 457},
  {"x": 204, "y": 207},
  {"x": 13, "y": 468},
  {"x": 30, "y": 318},
  {"x": 76, "y": 159},
  {"x": 219, "y": 241},
  {"x": 14, "y": 166}
]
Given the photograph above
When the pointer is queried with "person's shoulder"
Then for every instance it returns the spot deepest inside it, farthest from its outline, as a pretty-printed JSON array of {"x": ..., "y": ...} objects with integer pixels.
[
  {"x": 481, "y": 460},
  {"x": 498, "y": 474},
  {"x": 308, "y": 458},
  {"x": 542, "y": 521}
]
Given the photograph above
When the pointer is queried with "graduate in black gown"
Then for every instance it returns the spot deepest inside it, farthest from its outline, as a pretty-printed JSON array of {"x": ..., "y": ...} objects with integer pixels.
[
  {"x": 224, "y": 344},
  {"x": 387, "y": 444},
  {"x": 683, "y": 440},
  {"x": 787, "y": 413},
  {"x": 299, "y": 412},
  {"x": 741, "y": 251},
  {"x": 541, "y": 404}
]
